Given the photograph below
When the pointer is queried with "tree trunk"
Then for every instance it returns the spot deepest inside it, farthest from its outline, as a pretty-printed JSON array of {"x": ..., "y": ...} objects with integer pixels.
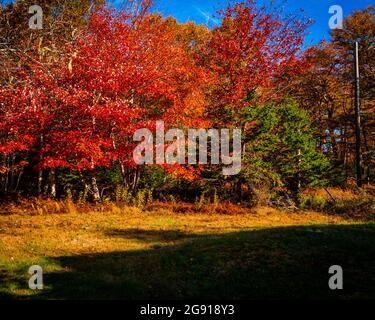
[
  {"x": 13, "y": 161},
  {"x": 95, "y": 189},
  {"x": 40, "y": 173},
  {"x": 40, "y": 181},
  {"x": 6, "y": 175},
  {"x": 52, "y": 175},
  {"x": 18, "y": 180}
]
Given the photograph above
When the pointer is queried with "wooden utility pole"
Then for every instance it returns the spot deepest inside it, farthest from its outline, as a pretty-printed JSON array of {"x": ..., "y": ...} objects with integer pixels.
[{"x": 357, "y": 118}]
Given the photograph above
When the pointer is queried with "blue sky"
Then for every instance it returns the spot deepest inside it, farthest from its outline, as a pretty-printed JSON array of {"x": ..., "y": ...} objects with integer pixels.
[{"x": 201, "y": 11}]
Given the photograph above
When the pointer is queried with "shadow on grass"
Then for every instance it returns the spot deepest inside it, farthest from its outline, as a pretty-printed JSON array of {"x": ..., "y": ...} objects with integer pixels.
[
  {"x": 8, "y": 282},
  {"x": 151, "y": 235},
  {"x": 290, "y": 262}
]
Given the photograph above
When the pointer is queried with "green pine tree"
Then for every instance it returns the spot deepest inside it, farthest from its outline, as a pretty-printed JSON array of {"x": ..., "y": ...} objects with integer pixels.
[{"x": 281, "y": 148}]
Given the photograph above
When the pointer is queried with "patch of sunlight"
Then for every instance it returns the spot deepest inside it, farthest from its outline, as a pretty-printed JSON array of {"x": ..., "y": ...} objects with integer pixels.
[{"x": 161, "y": 222}]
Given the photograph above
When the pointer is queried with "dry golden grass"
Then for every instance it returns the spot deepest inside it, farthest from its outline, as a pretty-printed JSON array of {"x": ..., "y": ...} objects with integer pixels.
[
  {"x": 336, "y": 193},
  {"x": 160, "y": 251},
  {"x": 28, "y": 234}
]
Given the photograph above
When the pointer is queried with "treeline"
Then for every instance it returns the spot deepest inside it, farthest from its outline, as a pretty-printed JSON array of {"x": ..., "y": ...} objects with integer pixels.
[
  {"x": 74, "y": 92},
  {"x": 326, "y": 89}
]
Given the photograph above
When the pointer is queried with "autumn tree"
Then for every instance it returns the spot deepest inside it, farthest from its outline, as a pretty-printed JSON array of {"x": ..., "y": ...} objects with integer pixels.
[
  {"x": 325, "y": 89},
  {"x": 80, "y": 111},
  {"x": 248, "y": 55},
  {"x": 360, "y": 27},
  {"x": 247, "y": 51},
  {"x": 22, "y": 50}
]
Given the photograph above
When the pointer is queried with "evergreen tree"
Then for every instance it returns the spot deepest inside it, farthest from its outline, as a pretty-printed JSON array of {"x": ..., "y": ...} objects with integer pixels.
[{"x": 281, "y": 149}]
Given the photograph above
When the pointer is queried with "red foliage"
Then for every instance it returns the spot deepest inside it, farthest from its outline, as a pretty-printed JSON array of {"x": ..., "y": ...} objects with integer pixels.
[
  {"x": 251, "y": 49},
  {"x": 80, "y": 109}
]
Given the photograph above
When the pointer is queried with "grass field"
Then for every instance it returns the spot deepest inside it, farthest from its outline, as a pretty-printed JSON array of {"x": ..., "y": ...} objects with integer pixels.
[{"x": 258, "y": 254}]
